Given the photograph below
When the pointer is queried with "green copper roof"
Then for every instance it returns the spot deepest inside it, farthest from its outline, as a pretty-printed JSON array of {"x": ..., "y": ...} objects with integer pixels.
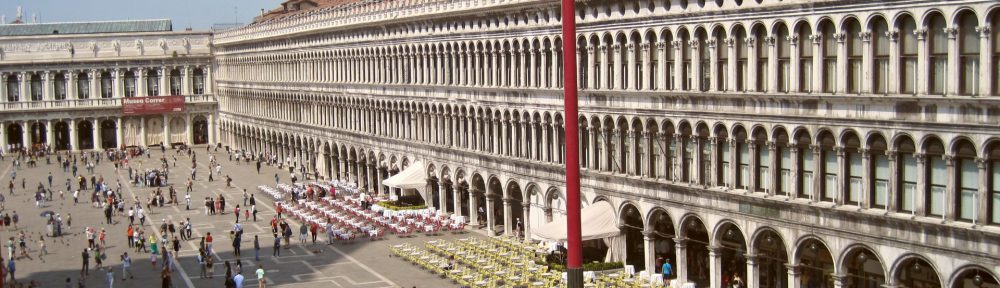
[{"x": 127, "y": 26}]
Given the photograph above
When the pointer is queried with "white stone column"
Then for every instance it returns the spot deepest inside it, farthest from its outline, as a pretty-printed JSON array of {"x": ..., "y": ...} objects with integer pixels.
[
  {"x": 47, "y": 86},
  {"x": 142, "y": 131},
  {"x": 73, "y": 143},
  {"x": 209, "y": 86},
  {"x": 166, "y": 128},
  {"x": 986, "y": 70},
  {"x": 3, "y": 93},
  {"x": 751, "y": 74},
  {"x": 119, "y": 129},
  {"x": 715, "y": 266},
  {"x": 473, "y": 207},
  {"x": 661, "y": 65},
  {"x": 952, "y": 81},
  {"x": 490, "y": 226},
  {"x": 164, "y": 83},
  {"x": 713, "y": 67},
  {"x": 793, "y": 63},
  {"x": 603, "y": 81},
  {"x": 507, "y": 217},
  {"x": 23, "y": 94},
  {"x": 923, "y": 61},
  {"x": 50, "y": 135},
  {"x": 772, "y": 64},
  {"x": 189, "y": 131},
  {"x": 95, "y": 80},
  {"x": 680, "y": 264},
  {"x": 793, "y": 276},
  {"x": 96, "y": 133},
  {"x": 817, "y": 75},
  {"x": 695, "y": 65},
  {"x": 732, "y": 58},
  {"x": 119, "y": 90},
  {"x": 679, "y": 65},
  {"x": 753, "y": 275}
]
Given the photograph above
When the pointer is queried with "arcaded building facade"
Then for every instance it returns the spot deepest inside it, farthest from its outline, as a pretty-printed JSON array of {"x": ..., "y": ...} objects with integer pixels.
[
  {"x": 794, "y": 143},
  {"x": 62, "y": 84}
]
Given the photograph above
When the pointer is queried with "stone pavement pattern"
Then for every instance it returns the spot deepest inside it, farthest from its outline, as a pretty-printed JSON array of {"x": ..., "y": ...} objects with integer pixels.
[{"x": 362, "y": 263}]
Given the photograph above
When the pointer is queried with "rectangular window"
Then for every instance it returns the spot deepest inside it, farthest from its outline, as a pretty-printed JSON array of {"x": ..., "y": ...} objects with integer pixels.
[
  {"x": 763, "y": 168},
  {"x": 743, "y": 158},
  {"x": 908, "y": 185},
  {"x": 36, "y": 90},
  {"x": 60, "y": 89},
  {"x": 969, "y": 185},
  {"x": 880, "y": 189},
  {"x": 706, "y": 163},
  {"x": 829, "y": 176},
  {"x": 854, "y": 171},
  {"x": 936, "y": 186},
  {"x": 994, "y": 191},
  {"x": 107, "y": 87},
  {"x": 12, "y": 91},
  {"x": 83, "y": 88},
  {"x": 806, "y": 177},
  {"x": 725, "y": 169},
  {"x": 689, "y": 153},
  {"x": 785, "y": 166}
]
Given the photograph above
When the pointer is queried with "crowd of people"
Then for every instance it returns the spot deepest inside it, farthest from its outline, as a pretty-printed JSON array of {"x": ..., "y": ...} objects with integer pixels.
[{"x": 153, "y": 191}]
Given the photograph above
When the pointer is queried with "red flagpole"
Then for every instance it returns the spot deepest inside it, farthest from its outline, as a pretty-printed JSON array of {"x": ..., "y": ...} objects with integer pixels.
[{"x": 574, "y": 268}]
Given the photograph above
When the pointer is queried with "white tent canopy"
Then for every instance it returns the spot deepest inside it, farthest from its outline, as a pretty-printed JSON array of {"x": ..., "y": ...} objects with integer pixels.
[
  {"x": 597, "y": 221},
  {"x": 413, "y": 177}
]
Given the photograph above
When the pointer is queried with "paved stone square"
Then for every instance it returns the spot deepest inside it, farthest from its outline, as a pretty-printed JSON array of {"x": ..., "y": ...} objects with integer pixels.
[{"x": 362, "y": 263}]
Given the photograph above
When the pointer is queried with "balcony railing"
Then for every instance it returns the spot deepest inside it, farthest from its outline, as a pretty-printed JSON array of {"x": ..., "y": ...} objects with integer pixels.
[{"x": 89, "y": 103}]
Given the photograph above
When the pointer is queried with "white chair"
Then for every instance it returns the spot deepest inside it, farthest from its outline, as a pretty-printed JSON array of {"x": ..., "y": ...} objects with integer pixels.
[
  {"x": 630, "y": 270},
  {"x": 644, "y": 274}
]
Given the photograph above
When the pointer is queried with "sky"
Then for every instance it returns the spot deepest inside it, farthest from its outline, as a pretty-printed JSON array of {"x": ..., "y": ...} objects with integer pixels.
[{"x": 197, "y": 14}]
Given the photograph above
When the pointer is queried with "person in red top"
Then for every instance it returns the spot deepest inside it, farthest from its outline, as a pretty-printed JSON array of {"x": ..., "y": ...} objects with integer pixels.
[
  {"x": 312, "y": 229},
  {"x": 274, "y": 224},
  {"x": 131, "y": 243},
  {"x": 208, "y": 243}
]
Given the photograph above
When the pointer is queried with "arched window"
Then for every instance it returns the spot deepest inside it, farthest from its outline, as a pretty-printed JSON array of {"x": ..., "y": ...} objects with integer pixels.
[
  {"x": 784, "y": 53},
  {"x": 761, "y": 46},
  {"x": 584, "y": 144},
  {"x": 686, "y": 67},
  {"x": 742, "y": 158},
  {"x": 854, "y": 55},
  {"x": 938, "y": 68},
  {"x": 829, "y": 53},
  {"x": 907, "y": 55},
  {"x": 725, "y": 166},
  {"x": 879, "y": 169},
  {"x": 763, "y": 159},
  {"x": 968, "y": 46},
  {"x": 706, "y": 154},
  {"x": 966, "y": 181},
  {"x": 853, "y": 171},
  {"x": 995, "y": 23},
  {"x": 668, "y": 61},
  {"x": 704, "y": 53},
  {"x": 937, "y": 177},
  {"x": 805, "y": 47},
  {"x": 880, "y": 58},
  {"x": 829, "y": 167},
  {"x": 807, "y": 165},
  {"x": 653, "y": 64},
  {"x": 722, "y": 63},
  {"x": 740, "y": 36},
  {"x": 993, "y": 177},
  {"x": 582, "y": 66},
  {"x": 784, "y": 168}
]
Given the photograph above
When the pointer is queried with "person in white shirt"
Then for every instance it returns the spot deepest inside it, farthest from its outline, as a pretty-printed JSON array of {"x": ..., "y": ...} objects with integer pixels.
[{"x": 238, "y": 279}]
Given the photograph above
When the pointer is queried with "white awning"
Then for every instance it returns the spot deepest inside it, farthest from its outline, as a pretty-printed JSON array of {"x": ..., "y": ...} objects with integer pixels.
[
  {"x": 413, "y": 177},
  {"x": 598, "y": 221}
]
